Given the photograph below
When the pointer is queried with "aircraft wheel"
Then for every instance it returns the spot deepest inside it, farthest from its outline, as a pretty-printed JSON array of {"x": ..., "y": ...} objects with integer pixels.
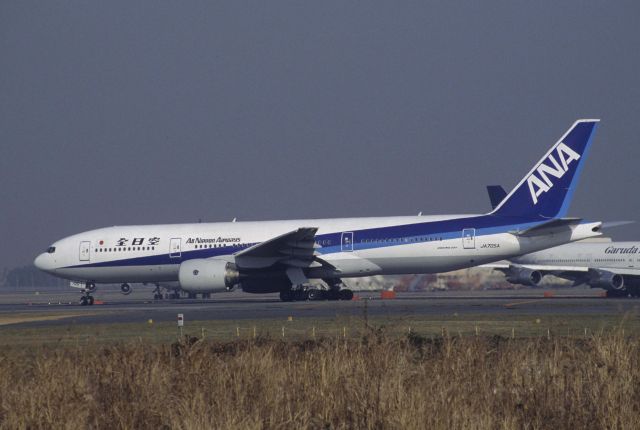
[
  {"x": 90, "y": 300},
  {"x": 314, "y": 294},
  {"x": 83, "y": 301},
  {"x": 346, "y": 294}
]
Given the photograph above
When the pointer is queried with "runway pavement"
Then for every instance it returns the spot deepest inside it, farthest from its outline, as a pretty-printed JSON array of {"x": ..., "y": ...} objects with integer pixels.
[{"x": 62, "y": 307}]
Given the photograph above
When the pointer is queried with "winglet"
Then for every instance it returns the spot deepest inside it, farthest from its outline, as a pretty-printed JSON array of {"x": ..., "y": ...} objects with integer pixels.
[{"x": 546, "y": 191}]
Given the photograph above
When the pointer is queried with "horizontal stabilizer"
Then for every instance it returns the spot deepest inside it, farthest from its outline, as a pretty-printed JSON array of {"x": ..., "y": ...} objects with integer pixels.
[{"x": 547, "y": 227}]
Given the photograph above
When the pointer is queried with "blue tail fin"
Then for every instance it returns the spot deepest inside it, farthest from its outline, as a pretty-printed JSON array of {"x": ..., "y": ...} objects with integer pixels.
[{"x": 547, "y": 189}]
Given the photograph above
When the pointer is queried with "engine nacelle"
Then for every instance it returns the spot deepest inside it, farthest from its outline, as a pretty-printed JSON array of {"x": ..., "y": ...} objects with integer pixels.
[
  {"x": 607, "y": 280},
  {"x": 525, "y": 277},
  {"x": 207, "y": 276},
  {"x": 125, "y": 289}
]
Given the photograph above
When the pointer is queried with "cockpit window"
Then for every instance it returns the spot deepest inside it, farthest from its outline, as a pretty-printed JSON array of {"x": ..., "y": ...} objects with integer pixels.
[{"x": 51, "y": 249}]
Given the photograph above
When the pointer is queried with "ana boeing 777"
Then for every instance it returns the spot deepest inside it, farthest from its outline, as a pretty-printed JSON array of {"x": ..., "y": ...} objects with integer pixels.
[{"x": 286, "y": 256}]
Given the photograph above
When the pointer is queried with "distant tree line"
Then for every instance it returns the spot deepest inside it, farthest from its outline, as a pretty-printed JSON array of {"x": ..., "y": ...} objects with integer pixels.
[{"x": 29, "y": 276}]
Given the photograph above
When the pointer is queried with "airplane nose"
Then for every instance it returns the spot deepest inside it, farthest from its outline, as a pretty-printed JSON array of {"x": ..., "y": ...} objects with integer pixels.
[{"x": 40, "y": 262}]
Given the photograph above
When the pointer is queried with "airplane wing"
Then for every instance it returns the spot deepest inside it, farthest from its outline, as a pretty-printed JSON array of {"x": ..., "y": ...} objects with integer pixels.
[
  {"x": 300, "y": 242},
  {"x": 626, "y": 271},
  {"x": 295, "y": 249},
  {"x": 562, "y": 271},
  {"x": 553, "y": 269},
  {"x": 578, "y": 275},
  {"x": 503, "y": 264},
  {"x": 545, "y": 268}
]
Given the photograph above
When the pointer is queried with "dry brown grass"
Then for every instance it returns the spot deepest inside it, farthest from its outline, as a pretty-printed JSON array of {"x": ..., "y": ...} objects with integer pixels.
[{"x": 371, "y": 382}]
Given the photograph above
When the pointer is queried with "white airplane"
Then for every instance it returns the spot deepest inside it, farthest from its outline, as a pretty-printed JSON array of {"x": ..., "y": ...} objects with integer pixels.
[
  {"x": 612, "y": 266},
  {"x": 283, "y": 256}
]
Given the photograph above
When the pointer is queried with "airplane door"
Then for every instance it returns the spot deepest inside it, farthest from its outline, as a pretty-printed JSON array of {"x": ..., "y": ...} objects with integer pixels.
[
  {"x": 175, "y": 248},
  {"x": 347, "y": 241},
  {"x": 85, "y": 251},
  {"x": 469, "y": 238}
]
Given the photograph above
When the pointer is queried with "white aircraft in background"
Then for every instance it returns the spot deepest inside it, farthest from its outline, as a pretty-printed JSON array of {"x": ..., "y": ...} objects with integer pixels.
[
  {"x": 612, "y": 266},
  {"x": 283, "y": 256},
  {"x": 599, "y": 263}
]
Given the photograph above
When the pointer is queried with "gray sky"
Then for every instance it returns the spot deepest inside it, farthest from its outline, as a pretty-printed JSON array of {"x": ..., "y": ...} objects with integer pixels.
[{"x": 117, "y": 113}]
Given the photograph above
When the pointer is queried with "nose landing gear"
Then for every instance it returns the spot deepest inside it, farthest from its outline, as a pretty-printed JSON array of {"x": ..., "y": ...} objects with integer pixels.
[{"x": 87, "y": 298}]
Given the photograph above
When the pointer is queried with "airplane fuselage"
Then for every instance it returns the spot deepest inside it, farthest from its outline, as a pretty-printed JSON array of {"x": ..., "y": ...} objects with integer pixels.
[
  {"x": 620, "y": 255},
  {"x": 352, "y": 247}
]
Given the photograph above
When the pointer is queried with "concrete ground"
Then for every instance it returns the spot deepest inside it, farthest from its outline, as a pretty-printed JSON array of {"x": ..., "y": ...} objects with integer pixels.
[{"x": 32, "y": 307}]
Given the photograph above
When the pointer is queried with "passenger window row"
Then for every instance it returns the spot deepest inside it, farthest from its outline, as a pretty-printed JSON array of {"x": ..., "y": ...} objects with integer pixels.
[
  {"x": 579, "y": 260},
  {"x": 234, "y": 245},
  {"x": 126, "y": 249},
  {"x": 405, "y": 240}
]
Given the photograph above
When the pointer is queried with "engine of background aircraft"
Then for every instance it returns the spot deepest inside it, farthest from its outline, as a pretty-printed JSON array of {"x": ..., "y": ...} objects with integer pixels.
[
  {"x": 525, "y": 277},
  {"x": 607, "y": 280}
]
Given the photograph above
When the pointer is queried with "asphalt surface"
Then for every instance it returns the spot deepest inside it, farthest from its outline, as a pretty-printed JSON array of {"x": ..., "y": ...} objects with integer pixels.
[{"x": 241, "y": 306}]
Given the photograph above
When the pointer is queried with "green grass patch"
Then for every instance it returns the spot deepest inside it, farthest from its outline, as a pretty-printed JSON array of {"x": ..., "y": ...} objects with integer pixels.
[{"x": 517, "y": 326}]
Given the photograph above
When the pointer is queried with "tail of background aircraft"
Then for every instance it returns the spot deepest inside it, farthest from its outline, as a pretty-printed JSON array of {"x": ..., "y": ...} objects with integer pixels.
[
  {"x": 546, "y": 191},
  {"x": 496, "y": 195}
]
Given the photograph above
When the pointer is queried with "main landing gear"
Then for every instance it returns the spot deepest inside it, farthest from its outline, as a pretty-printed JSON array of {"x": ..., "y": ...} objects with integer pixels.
[
  {"x": 157, "y": 293},
  {"x": 170, "y": 294},
  {"x": 315, "y": 294},
  {"x": 87, "y": 298},
  {"x": 303, "y": 292}
]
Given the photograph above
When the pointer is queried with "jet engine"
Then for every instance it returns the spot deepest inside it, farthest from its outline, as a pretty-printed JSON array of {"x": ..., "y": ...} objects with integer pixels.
[
  {"x": 524, "y": 277},
  {"x": 607, "y": 280},
  {"x": 210, "y": 276}
]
